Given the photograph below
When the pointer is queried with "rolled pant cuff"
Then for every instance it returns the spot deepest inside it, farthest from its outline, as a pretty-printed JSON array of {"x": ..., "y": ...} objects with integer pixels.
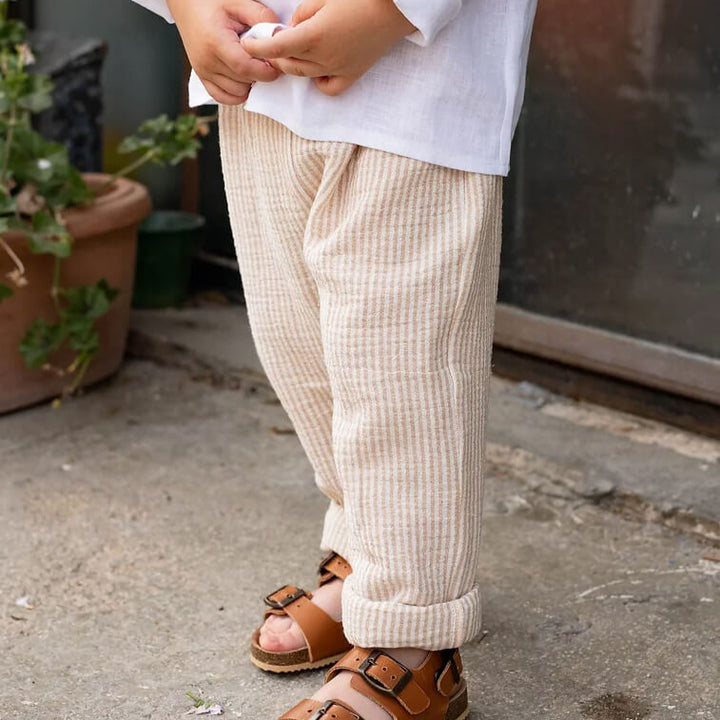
[
  {"x": 335, "y": 535},
  {"x": 369, "y": 623}
]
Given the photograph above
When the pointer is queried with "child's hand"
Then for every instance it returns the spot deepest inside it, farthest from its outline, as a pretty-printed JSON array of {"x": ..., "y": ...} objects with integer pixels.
[
  {"x": 209, "y": 30},
  {"x": 334, "y": 41}
]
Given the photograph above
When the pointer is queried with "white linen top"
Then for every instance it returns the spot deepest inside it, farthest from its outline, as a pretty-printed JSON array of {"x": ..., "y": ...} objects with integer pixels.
[{"x": 449, "y": 94}]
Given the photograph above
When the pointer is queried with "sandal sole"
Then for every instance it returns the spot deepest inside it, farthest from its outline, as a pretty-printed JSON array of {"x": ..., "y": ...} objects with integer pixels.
[
  {"x": 296, "y": 667},
  {"x": 458, "y": 709},
  {"x": 287, "y": 662}
]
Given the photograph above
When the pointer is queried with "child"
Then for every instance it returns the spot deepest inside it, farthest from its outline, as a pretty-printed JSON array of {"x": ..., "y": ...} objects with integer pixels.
[{"x": 364, "y": 181}]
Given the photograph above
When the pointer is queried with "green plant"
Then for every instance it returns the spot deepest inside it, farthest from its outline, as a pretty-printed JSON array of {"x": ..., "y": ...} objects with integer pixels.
[
  {"x": 203, "y": 707},
  {"x": 38, "y": 182}
]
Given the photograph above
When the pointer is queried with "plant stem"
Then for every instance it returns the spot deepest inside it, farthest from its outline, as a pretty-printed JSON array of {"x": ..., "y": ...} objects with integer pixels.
[
  {"x": 75, "y": 384},
  {"x": 13, "y": 256},
  {"x": 142, "y": 160},
  {"x": 55, "y": 287},
  {"x": 8, "y": 144}
]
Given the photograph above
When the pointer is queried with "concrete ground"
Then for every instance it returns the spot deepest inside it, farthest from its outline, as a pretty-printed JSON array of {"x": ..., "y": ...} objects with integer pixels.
[{"x": 141, "y": 523}]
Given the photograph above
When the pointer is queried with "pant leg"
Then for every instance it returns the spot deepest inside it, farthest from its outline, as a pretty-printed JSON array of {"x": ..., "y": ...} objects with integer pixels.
[
  {"x": 271, "y": 179},
  {"x": 405, "y": 256}
]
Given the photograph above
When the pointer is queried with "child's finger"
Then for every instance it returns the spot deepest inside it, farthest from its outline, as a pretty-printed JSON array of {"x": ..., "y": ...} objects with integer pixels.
[
  {"x": 250, "y": 12},
  {"x": 224, "y": 98},
  {"x": 333, "y": 85},
  {"x": 305, "y": 10},
  {"x": 301, "y": 68},
  {"x": 230, "y": 86},
  {"x": 242, "y": 67},
  {"x": 260, "y": 70},
  {"x": 293, "y": 42}
]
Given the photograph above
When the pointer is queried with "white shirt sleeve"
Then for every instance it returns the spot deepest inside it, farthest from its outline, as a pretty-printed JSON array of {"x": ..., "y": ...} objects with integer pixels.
[
  {"x": 157, "y": 6},
  {"x": 428, "y": 16}
]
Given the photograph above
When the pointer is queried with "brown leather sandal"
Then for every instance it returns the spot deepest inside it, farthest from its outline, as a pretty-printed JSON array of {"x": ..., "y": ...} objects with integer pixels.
[
  {"x": 324, "y": 636},
  {"x": 434, "y": 691}
]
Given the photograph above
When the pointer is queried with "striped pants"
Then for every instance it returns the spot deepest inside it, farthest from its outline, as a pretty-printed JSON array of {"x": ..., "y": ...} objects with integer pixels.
[{"x": 370, "y": 281}]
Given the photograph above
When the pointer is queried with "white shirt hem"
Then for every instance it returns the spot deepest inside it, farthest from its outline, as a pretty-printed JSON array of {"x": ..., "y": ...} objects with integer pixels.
[{"x": 389, "y": 143}]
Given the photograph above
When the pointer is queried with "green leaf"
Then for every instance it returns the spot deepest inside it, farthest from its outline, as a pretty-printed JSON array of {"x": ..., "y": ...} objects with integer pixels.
[
  {"x": 42, "y": 244},
  {"x": 8, "y": 206},
  {"x": 41, "y": 340},
  {"x": 18, "y": 224},
  {"x": 110, "y": 292},
  {"x": 19, "y": 90},
  {"x": 44, "y": 222},
  {"x": 85, "y": 343},
  {"x": 5, "y": 100},
  {"x": 168, "y": 142},
  {"x": 158, "y": 125},
  {"x": 5, "y": 292},
  {"x": 12, "y": 34},
  {"x": 132, "y": 143},
  {"x": 48, "y": 236},
  {"x": 87, "y": 301},
  {"x": 37, "y": 94},
  {"x": 73, "y": 192},
  {"x": 47, "y": 166},
  {"x": 36, "y": 159},
  {"x": 83, "y": 306}
]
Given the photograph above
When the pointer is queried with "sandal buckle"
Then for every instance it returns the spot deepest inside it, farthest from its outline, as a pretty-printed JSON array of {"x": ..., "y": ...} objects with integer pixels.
[
  {"x": 371, "y": 660},
  {"x": 330, "y": 556},
  {"x": 289, "y": 598},
  {"x": 327, "y": 706}
]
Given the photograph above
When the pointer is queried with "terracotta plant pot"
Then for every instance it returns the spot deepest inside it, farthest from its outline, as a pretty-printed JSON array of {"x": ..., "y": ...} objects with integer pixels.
[{"x": 105, "y": 245}]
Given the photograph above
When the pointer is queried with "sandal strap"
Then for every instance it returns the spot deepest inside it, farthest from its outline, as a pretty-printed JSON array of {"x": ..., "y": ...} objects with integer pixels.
[
  {"x": 323, "y": 635},
  {"x": 284, "y": 596},
  {"x": 403, "y": 692},
  {"x": 334, "y": 566},
  {"x": 316, "y": 710},
  {"x": 448, "y": 677},
  {"x": 385, "y": 675}
]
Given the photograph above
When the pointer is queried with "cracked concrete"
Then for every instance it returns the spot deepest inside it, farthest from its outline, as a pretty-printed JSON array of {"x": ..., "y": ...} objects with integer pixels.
[
  {"x": 142, "y": 521},
  {"x": 630, "y": 463}
]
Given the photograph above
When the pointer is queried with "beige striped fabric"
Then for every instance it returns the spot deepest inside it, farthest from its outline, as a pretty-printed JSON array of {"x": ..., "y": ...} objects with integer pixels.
[{"x": 370, "y": 281}]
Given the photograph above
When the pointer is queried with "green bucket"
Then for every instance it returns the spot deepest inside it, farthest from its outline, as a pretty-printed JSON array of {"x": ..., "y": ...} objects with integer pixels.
[{"x": 167, "y": 243}]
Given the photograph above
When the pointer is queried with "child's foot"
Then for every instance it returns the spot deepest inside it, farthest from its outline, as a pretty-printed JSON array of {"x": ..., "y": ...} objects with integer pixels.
[
  {"x": 339, "y": 687},
  {"x": 280, "y": 633}
]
